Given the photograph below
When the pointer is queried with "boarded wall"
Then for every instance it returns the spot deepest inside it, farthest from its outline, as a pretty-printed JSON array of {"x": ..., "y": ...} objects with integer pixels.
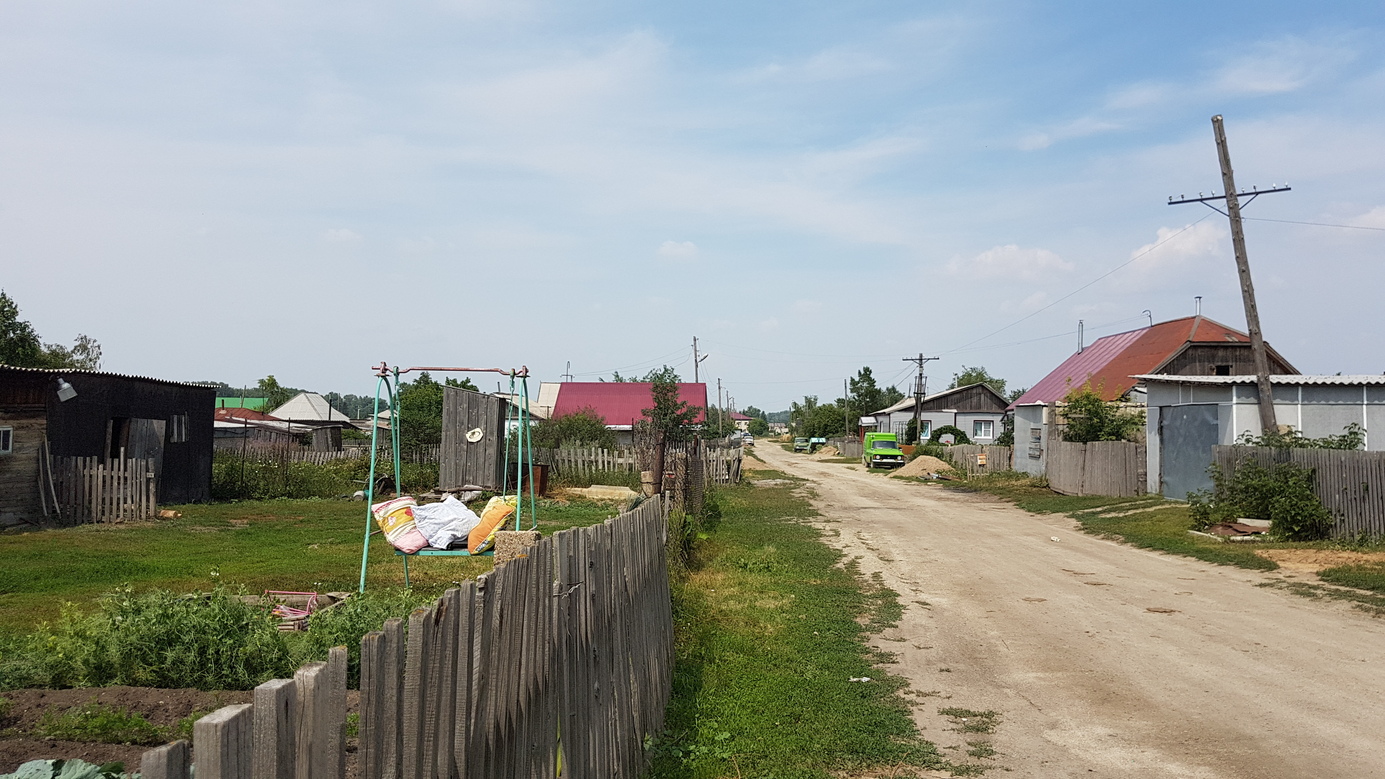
[
  {"x": 1350, "y": 484},
  {"x": 1114, "y": 468},
  {"x": 19, "y": 470},
  {"x": 463, "y": 462}
]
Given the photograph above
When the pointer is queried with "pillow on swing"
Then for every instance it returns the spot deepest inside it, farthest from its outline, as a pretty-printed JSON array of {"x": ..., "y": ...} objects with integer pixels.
[
  {"x": 396, "y": 519},
  {"x": 493, "y": 516}
]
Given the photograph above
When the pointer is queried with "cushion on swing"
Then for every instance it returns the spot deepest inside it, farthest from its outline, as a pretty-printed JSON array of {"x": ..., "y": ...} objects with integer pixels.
[
  {"x": 396, "y": 519},
  {"x": 493, "y": 517}
]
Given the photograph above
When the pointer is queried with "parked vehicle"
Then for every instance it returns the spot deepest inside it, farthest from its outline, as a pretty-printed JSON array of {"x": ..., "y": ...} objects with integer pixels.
[
  {"x": 749, "y": 440},
  {"x": 881, "y": 450},
  {"x": 815, "y": 444},
  {"x": 800, "y": 444}
]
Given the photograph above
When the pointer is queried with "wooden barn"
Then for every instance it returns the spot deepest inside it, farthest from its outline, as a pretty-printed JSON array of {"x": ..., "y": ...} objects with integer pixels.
[{"x": 105, "y": 416}]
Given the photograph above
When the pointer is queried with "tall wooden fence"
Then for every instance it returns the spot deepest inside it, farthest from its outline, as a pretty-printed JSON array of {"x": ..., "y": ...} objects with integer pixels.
[
  {"x": 1351, "y": 484},
  {"x": 562, "y": 657},
  {"x": 1114, "y": 468},
  {"x": 85, "y": 489},
  {"x": 978, "y": 459}
]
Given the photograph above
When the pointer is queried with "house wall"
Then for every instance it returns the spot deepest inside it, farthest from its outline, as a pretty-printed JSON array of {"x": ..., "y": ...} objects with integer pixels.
[
  {"x": 965, "y": 420},
  {"x": 1200, "y": 359},
  {"x": 1316, "y": 410},
  {"x": 1031, "y": 440},
  {"x": 19, "y": 470}
]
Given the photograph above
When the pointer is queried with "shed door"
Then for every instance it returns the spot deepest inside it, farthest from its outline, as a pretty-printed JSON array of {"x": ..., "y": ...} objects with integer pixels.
[
  {"x": 1186, "y": 437},
  {"x": 461, "y": 460},
  {"x": 146, "y": 442}
]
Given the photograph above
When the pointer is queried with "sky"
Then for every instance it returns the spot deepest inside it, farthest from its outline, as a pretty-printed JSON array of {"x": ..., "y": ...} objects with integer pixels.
[{"x": 221, "y": 191}]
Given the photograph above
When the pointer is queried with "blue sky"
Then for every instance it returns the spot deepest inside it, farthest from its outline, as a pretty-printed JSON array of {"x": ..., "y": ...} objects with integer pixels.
[{"x": 223, "y": 191}]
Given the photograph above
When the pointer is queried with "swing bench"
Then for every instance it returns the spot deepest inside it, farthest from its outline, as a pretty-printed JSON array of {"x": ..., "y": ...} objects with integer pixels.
[{"x": 516, "y": 418}]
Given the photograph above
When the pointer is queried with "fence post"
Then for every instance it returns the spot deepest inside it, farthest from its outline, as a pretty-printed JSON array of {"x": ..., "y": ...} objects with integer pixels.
[
  {"x": 313, "y": 718},
  {"x": 334, "y": 749},
  {"x": 222, "y": 741},
  {"x": 274, "y": 730},
  {"x": 169, "y": 761}
]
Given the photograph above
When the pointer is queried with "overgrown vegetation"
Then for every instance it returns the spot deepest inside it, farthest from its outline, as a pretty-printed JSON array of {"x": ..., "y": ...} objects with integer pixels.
[
  {"x": 1365, "y": 576},
  {"x": 97, "y": 722},
  {"x": 958, "y": 437},
  {"x": 1282, "y": 493},
  {"x": 346, "y": 624},
  {"x": 584, "y": 427},
  {"x": 767, "y": 639},
  {"x": 255, "y": 478},
  {"x": 1352, "y": 437},
  {"x": 1090, "y": 418}
]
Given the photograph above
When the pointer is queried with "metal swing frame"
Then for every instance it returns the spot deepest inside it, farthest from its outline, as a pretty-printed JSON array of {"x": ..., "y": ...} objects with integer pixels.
[{"x": 387, "y": 383}]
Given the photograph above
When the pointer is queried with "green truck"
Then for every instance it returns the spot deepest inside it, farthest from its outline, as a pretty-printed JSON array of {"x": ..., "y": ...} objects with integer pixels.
[
  {"x": 881, "y": 450},
  {"x": 800, "y": 444}
]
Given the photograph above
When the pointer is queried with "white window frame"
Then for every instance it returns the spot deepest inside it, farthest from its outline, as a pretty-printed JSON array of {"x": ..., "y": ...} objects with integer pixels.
[
  {"x": 926, "y": 429},
  {"x": 6, "y": 440},
  {"x": 976, "y": 425}
]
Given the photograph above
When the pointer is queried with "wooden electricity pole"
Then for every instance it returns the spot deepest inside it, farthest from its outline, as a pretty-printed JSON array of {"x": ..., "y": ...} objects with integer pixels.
[
  {"x": 918, "y": 392},
  {"x": 1268, "y": 423}
]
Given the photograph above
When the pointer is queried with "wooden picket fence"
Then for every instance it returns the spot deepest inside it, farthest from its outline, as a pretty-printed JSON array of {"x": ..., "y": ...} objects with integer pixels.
[
  {"x": 978, "y": 459},
  {"x": 721, "y": 465},
  {"x": 1114, "y": 468},
  {"x": 563, "y": 657},
  {"x": 1351, "y": 484},
  {"x": 86, "y": 489}
]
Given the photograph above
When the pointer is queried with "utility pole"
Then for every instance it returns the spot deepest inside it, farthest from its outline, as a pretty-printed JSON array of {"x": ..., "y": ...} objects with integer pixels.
[
  {"x": 918, "y": 390},
  {"x": 567, "y": 375},
  {"x": 1268, "y": 423},
  {"x": 698, "y": 361},
  {"x": 846, "y": 408},
  {"x": 719, "y": 422}
]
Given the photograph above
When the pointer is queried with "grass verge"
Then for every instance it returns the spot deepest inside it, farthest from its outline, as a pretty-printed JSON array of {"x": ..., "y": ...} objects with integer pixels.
[{"x": 768, "y": 645}]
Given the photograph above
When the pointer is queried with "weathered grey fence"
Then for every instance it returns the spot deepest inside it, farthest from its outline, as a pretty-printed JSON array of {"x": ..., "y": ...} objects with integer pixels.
[
  {"x": 978, "y": 459},
  {"x": 847, "y": 447},
  {"x": 561, "y": 657},
  {"x": 721, "y": 465},
  {"x": 1114, "y": 468},
  {"x": 1351, "y": 484},
  {"x": 85, "y": 489}
]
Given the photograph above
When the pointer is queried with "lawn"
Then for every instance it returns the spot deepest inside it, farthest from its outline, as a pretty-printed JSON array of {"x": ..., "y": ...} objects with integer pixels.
[
  {"x": 768, "y": 640},
  {"x": 299, "y": 545}
]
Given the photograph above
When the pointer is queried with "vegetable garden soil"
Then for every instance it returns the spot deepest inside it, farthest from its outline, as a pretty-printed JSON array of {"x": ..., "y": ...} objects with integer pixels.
[{"x": 163, "y": 708}]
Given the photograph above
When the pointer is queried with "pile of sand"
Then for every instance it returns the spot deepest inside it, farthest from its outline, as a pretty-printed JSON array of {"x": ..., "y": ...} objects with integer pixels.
[
  {"x": 825, "y": 452},
  {"x": 924, "y": 465}
]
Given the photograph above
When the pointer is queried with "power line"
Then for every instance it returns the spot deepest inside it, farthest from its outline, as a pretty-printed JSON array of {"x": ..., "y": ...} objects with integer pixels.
[{"x": 1313, "y": 224}]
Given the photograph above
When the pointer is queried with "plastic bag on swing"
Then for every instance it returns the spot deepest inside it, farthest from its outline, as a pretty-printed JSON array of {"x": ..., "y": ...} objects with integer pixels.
[{"x": 396, "y": 519}]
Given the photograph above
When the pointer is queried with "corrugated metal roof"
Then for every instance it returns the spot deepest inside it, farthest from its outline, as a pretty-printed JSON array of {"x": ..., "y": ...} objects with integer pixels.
[
  {"x": 1295, "y": 378},
  {"x": 309, "y": 407},
  {"x": 621, "y": 402},
  {"x": 75, "y": 372},
  {"x": 908, "y": 402},
  {"x": 1111, "y": 363}
]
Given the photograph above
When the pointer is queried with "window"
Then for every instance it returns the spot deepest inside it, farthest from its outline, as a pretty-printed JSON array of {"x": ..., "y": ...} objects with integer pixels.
[
  {"x": 6, "y": 440},
  {"x": 178, "y": 429},
  {"x": 1221, "y": 370},
  {"x": 982, "y": 428},
  {"x": 925, "y": 429}
]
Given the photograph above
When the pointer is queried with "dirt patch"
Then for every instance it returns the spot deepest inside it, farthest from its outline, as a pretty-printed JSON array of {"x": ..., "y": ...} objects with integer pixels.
[
  {"x": 924, "y": 465},
  {"x": 1314, "y": 560},
  {"x": 164, "y": 708}
]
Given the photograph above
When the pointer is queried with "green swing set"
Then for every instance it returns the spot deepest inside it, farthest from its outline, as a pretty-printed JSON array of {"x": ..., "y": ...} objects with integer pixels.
[{"x": 516, "y": 426}]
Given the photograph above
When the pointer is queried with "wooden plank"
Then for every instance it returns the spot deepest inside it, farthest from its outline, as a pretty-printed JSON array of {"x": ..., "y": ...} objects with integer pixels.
[
  {"x": 335, "y": 747},
  {"x": 392, "y": 686},
  {"x": 412, "y": 698},
  {"x": 462, "y": 699},
  {"x": 370, "y": 742},
  {"x": 275, "y": 731},
  {"x": 446, "y": 683},
  {"x": 312, "y": 717},
  {"x": 170, "y": 761},
  {"x": 223, "y": 742}
]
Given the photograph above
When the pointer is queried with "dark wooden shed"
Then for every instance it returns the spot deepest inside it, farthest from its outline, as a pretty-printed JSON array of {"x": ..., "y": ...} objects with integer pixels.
[{"x": 167, "y": 422}]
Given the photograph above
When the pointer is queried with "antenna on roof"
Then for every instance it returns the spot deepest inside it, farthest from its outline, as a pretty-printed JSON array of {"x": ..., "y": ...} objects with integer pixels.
[
  {"x": 1197, "y": 305},
  {"x": 1080, "y": 343}
]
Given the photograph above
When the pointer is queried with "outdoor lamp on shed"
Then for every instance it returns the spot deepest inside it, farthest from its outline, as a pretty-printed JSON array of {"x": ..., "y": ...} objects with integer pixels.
[{"x": 65, "y": 390}]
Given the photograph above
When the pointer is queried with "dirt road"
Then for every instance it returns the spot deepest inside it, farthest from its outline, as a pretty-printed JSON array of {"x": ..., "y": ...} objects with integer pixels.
[{"x": 1220, "y": 679}]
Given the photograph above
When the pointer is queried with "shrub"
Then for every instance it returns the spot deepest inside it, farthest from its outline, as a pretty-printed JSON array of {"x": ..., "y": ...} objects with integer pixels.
[
  {"x": 346, "y": 624},
  {"x": 1282, "y": 494},
  {"x": 958, "y": 436},
  {"x": 214, "y": 641},
  {"x": 1353, "y": 437},
  {"x": 1090, "y": 418}
]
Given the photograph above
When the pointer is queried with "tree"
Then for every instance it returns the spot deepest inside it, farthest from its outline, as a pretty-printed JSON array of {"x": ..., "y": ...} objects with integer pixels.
[
  {"x": 817, "y": 420},
  {"x": 670, "y": 418},
  {"x": 758, "y": 426},
  {"x": 20, "y": 345},
  {"x": 274, "y": 393},
  {"x": 1090, "y": 418},
  {"x": 977, "y": 375},
  {"x": 754, "y": 413},
  {"x": 420, "y": 410},
  {"x": 865, "y": 395},
  {"x": 664, "y": 374},
  {"x": 584, "y": 427}
]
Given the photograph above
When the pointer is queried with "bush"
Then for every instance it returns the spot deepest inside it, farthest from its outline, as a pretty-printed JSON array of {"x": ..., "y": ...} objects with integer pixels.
[
  {"x": 155, "y": 639},
  {"x": 1090, "y": 418},
  {"x": 346, "y": 624},
  {"x": 958, "y": 436},
  {"x": 1282, "y": 494}
]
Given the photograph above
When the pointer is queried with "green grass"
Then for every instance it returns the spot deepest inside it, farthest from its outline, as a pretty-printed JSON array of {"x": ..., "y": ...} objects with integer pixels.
[
  {"x": 968, "y": 721},
  {"x": 300, "y": 545},
  {"x": 99, "y": 723},
  {"x": 1370, "y": 577},
  {"x": 1368, "y": 602},
  {"x": 768, "y": 639}
]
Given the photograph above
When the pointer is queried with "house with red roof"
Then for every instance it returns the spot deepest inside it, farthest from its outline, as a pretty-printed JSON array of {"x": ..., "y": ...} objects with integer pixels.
[
  {"x": 620, "y": 403},
  {"x": 1191, "y": 346}
]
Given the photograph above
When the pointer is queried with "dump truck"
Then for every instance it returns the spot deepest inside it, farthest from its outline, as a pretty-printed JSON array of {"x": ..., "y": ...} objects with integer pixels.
[
  {"x": 800, "y": 444},
  {"x": 881, "y": 450}
]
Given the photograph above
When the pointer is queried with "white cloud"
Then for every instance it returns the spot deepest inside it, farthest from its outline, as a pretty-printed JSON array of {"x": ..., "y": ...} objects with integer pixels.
[
  {"x": 1009, "y": 262},
  {"x": 1284, "y": 65},
  {"x": 677, "y": 250},
  {"x": 835, "y": 64},
  {"x": 341, "y": 235},
  {"x": 1372, "y": 218}
]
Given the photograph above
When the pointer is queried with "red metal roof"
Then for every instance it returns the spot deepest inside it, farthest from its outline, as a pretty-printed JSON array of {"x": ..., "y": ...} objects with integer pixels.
[
  {"x": 1110, "y": 362},
  {"x": 232, "y": 413},
  {"x": 621, "y": 402}
]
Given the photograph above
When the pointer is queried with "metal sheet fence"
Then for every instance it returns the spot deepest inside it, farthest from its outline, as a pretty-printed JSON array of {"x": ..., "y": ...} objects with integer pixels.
[
  {"x": 1351, "y": 484},
  {"x": 1114, "y": 468},
  {"x": 561, "y": 657},
  {"x": 978, "y": 459},
  {"x": 847, "y": 447}
]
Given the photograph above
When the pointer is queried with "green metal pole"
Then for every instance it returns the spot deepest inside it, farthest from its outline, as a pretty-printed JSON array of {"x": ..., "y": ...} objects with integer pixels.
[
  {"x": 529, "y": 453},
  {"x": 370, "y": 484}
]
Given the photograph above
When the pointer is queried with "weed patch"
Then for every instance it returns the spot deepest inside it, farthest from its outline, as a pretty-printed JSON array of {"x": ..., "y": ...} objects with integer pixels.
[
  {"x": 99, "y": 723},
  {"x": 968, "y": 721},
  {"x": 1370, "y": 603},
  {"x": 1363, "y": 577}
]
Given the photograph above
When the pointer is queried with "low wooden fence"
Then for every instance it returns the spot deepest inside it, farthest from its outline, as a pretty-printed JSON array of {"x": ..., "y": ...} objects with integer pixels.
[
  {"x": 1114, "y": 468},
  {"x": 1351, "y": 484},
  {"x": 978, "y": 459},
  {"x": 562, "y": 657},
  {"x": 85, "y": 489},
  {"x": 721, "y": 465}
]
